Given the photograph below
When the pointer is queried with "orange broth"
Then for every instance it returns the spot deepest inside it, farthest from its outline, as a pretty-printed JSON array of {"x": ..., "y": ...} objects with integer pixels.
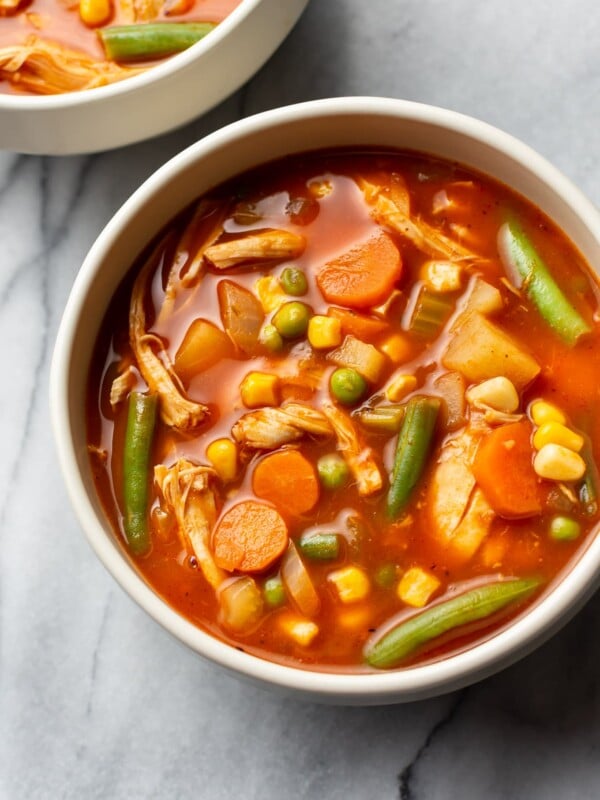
[{"x": 332, "y": 225}]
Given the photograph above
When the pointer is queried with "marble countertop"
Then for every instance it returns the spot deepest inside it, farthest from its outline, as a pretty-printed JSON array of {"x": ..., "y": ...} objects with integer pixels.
[{"x": 96, "y": 701}]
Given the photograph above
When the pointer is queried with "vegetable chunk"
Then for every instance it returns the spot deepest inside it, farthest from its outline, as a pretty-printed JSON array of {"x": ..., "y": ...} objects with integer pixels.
[
  {"x": 249, "y": 537},
  {"x": 288, "y": 480}
]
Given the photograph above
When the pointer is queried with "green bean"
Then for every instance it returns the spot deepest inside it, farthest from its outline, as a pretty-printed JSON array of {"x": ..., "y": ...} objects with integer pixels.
[
  {"x": 141, "y": 418},
  {"x": 151, "y": 39},
  {"x": 386, "y": 419},
  {"x": 320, "y": 546},
  {"x": 294, "y": 281},
  {"x": 414, "y": 442},
  {"x": 274, "y": 591},
  {"x": 333, "y": 471},
  {"x": 520, "y": 257},
  {"x": 347, "y": 385},
  {"x": 588, "y": 490},
  {"x": 477, "y": 604}
]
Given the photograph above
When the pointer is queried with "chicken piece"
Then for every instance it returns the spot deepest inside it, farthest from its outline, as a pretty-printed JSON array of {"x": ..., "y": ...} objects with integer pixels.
[
  {"x": 187, "y": 492},
  {"x": 42, "y": 67},
  {"x": 176, "y": 411},
  {"x": 391, "y": 207},
  {"x": 263, "y": 246},
  {"x": 270, "y": 428},
  {"x": 460, "y": 515},
  {"x": 359, "y": 458},
  {"x": 122, "y": 386}
]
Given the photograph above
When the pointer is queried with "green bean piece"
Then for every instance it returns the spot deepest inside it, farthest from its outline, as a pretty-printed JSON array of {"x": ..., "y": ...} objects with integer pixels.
[
  {"x": 347, "y": 385},
  {"x": 141, "y": 419},
  {"x": 564, "y": 529},
  {"x": 291, "y": 319},
  {"x": 382, "y": 419},
  {"x": 414, "y": 443},
  {"x": 588, "y": 490},
  {"x": 333, "y": 471},
  {"x": 408, "y": 636},
  {"x": 519, "y": 256},
  {"x": 126, "y": 43},
  {"x": 274, "y": 591},
  {"x": 320, "y": 546},
  {"x": 293, "y": 282}
]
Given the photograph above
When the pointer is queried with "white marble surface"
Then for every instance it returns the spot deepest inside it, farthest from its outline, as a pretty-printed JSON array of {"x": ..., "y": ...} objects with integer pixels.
[{"x": 95, "y": 700}]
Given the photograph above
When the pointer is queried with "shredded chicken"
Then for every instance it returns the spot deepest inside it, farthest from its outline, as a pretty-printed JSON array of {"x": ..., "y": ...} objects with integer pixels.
[
  {"x": 187, "y": 492},
  {"x": 176, "y": 411},
  {"x": 264, "y": 246},
  {"x": 269, "y": 428},
  {"x": 391, "y": 208},
  {"x": 359, "y": 459},
  {"x": 460, "y": 514},
  {"x": 48, "y": 68},
  {"x": 122, "y": 385}
]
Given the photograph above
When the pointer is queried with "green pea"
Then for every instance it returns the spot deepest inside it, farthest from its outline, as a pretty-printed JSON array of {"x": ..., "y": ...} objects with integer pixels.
[
  {"x": 271, "y": 338},
  {"x": 385, "y": 576},
  {"x": 564, "y": 529},
  {"x": 294, "y": 282},
  {"x": 333, "y": 471},
  {"x": 347, "y": 385},
  {"x": 291, "y": 320},
  {"x": 274, "y": 591}
]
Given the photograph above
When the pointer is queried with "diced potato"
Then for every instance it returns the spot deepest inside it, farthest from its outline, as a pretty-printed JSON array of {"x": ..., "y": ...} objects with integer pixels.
[
  {"x": 416, "y": 587},
  {"x": 479, "y": 349},
  {"x": 484, "y": 298},
  {"x": 242, "y": 315},
  {"x": 203, "y": 346},
  {"x": 362, "y": 357},
  {"x": 241, "y": 604},
  {"x": 399, "y": 387},
  {"x": 259, "y": 389},
  {"x": 324, "y": 332},
  {"x": 301, "y": 630},
  {"x": 351, "y": 584},
  {"x": 270, "y": 293},
  {"x": 441, "y": 276}
]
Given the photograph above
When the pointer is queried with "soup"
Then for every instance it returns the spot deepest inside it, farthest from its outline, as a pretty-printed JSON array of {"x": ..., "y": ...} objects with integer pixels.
[
  {"x": 50, "y": 47},
  {"x": 340, "y": 412}
]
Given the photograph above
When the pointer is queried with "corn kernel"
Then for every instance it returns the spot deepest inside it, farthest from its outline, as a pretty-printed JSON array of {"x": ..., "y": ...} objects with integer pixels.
[
  {"x": 400, "y": 387},
  {"x": 324, "y": 332},
  {"x": 555, "y": 433},
  {"x": 259, "y": 389},
  {"x": 441, "y": 276},
  {"x": 397, "y": 348},
  {"x": 301, "y": 630},
  {"x": 223, "y": 455},
  {"x": 95, "y": 12},
  {"x": 497, "y": 393},
  {"x": 270, "y": 293},
  {"x": 416, "y": 587},
  {"x": 541, "y": 412},
  {"x": 351, "y": 584},
  {"x": 557, "y": 463}
]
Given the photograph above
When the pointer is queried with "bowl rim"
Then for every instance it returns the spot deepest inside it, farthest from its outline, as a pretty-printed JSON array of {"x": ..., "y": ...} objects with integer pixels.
[
  {"x": 164, "y": 69},
  {"x": 515, "y": 640}
]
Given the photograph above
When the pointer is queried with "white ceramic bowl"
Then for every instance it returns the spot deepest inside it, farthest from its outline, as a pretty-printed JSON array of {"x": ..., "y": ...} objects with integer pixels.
[
  {"x": 325, "y": 123},
  {"x": 160, "y": 99}
]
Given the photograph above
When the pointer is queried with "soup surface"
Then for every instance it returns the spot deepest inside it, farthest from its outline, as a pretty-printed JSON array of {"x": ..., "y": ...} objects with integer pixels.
[
  {"x": 55, "y": 46},
  {"x": 341, "y": 412}
]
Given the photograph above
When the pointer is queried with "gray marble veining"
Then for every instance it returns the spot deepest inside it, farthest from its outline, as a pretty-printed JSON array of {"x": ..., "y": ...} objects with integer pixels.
[{"x": 95, "y": 700}]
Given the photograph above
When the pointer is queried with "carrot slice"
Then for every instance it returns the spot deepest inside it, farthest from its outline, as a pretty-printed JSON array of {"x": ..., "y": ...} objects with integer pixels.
[
  {"x": 249, "y": 537},
  {"x": 359, "y": 325},
  {"x": 364, "y": 275},
  {"x": 503, "y": 469},
  {"x": 288, "y": 480}
]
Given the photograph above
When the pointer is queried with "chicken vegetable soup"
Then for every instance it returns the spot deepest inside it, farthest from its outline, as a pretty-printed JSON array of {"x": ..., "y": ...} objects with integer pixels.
[
  {"x": 340, "y": 412},
  {"x": 50, "y": 47}
]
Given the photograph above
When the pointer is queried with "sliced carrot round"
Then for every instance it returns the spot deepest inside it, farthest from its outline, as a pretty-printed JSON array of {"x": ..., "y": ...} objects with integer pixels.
[
  {"x": 249, "y": 537},
  {"x": 364, "y": 275},
  {"x": 288, "y": 480}
]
